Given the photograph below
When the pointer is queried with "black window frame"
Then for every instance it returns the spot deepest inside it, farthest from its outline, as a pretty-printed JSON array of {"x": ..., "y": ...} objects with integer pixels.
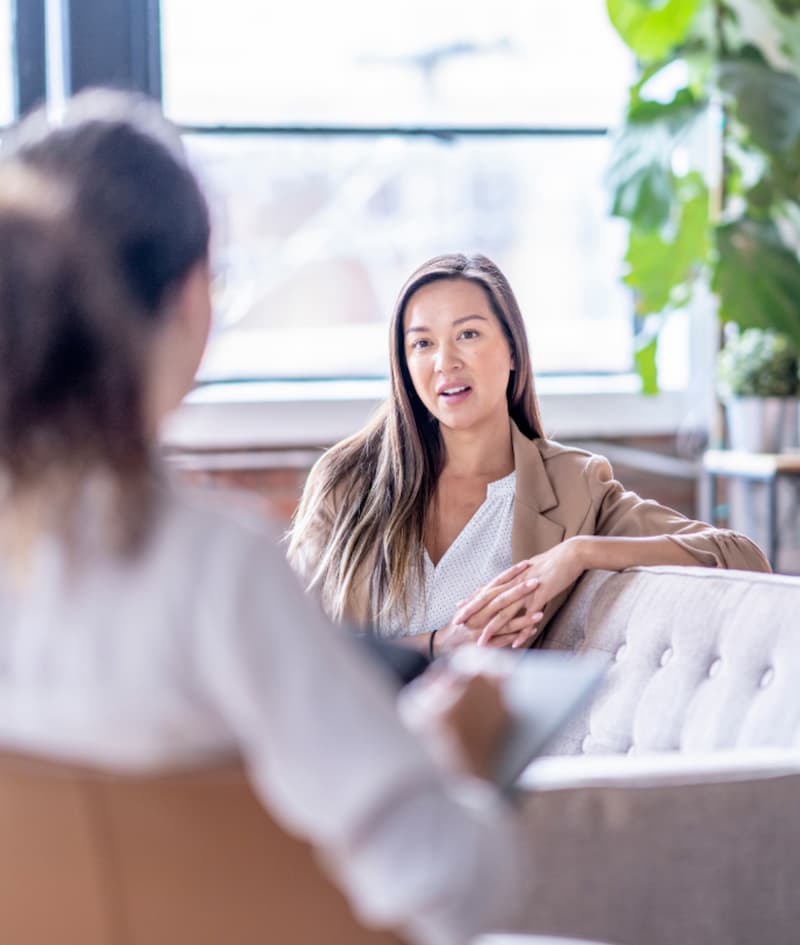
[
  {"x": 29, "y": 54},
  {"x": 106, "y": 42}
]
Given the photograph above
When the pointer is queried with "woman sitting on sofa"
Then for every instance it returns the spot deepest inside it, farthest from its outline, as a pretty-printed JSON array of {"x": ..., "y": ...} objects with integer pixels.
[{"x": 450, "y": 518}]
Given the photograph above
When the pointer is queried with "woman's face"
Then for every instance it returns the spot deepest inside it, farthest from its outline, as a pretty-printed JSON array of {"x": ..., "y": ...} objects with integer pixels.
[{"x": 457, "y": 354}]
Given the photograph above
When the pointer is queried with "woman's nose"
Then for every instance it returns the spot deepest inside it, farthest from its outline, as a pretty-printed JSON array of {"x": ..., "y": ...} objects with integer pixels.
[{"x": 447, "y": 357}]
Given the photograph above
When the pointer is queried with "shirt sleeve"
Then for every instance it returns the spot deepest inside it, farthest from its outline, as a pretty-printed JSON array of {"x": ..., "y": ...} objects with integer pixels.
[
  {"x": 317, "y": 724},
  {"x": 620, "y": 513}
]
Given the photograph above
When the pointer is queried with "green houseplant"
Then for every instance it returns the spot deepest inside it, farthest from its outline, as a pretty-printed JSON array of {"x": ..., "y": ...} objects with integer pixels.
[
  {"x": 757, "y": 380},
  {"x": 721, "y": 78}
]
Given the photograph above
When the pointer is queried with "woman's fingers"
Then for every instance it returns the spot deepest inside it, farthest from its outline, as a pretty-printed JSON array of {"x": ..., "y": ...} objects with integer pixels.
[
  {"x": 527, "y": 634},
  {"x": 496, "y": 599},
  {"x": 488, "y": 591},
  {"x": 518, "y": 607},
  {"x": 511, "y": 629},
  {"x": 508, "y": 634},
  {"x": 505, "y": 576}
]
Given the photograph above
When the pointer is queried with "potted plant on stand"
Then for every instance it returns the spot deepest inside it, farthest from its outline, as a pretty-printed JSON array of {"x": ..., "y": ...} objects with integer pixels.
[
  {"x": 757, "y": 380},
  {"x": 706, "y": 167}
]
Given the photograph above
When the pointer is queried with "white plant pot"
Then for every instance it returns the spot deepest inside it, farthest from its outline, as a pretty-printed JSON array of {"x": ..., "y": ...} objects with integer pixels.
[{"x": 762, "y": 424}]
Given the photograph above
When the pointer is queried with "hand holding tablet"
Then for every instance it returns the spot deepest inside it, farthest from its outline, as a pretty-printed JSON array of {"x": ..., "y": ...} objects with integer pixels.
[{"x": 539, "y": 690}]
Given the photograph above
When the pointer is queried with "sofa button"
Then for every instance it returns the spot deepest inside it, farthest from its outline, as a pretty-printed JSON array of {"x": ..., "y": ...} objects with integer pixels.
[
  {"x": 621, "y": 651},
  {"x": 666, "y": 656},
  {"x": 714, "y": 668},
  {"x": 766, "y": 679},
  {"x": 585, "y": 743}
]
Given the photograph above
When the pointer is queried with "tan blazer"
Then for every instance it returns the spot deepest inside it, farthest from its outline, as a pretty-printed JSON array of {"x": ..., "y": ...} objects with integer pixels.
[{"x": 561, "y": 492}]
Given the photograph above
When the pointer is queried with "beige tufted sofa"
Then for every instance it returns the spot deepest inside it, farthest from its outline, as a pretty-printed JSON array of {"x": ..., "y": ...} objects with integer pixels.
[{"x": 678, "y": 823}]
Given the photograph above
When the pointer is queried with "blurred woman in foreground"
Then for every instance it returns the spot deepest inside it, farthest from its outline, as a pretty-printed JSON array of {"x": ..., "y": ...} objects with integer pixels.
[{"x": 141, "y": 627}]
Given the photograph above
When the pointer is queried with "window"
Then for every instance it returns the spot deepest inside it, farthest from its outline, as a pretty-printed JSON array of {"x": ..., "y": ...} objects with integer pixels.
[
  {"x": 343, "y": 144},
  {"x": 357, "y": 62},
  {"x": 6, "y": 61}
]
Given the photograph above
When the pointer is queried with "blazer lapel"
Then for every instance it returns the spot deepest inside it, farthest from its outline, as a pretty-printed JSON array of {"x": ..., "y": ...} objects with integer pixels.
[{"x": 532, "y": 531}]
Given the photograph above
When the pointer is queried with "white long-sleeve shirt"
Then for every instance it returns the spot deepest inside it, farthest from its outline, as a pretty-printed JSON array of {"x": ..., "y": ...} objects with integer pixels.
[{"x": 206, "y": 642}]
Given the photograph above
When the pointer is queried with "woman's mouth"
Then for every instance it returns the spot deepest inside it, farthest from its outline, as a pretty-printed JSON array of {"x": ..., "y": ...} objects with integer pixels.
[{"x": 455, "y": 393}]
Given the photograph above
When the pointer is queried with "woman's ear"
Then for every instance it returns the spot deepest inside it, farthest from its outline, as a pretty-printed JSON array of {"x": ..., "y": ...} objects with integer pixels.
[
  {"x": 179, "y": 344},
  {"x": 192, "y": 304}
]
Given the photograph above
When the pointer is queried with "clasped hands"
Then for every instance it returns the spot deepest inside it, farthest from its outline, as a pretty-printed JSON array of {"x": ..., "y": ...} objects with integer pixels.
[{"x": 507, "y": 611}]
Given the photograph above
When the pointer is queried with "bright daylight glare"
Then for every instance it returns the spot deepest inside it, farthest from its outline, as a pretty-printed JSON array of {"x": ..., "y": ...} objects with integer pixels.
[{"x": 315, "y": 234}]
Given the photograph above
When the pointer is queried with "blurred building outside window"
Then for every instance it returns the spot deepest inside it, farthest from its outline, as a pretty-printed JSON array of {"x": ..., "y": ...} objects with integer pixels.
[{"x": 317, "y": 232}]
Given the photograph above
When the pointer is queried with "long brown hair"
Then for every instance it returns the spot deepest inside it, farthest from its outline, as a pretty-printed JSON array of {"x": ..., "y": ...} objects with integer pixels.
[
  {"x": 86, "y": 274},
  {"x": 365, "y": 502}
]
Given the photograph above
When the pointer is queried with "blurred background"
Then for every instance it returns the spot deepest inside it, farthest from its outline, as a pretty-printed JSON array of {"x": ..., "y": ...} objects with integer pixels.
[
  {"x": 352, "y": 141},
  {"x": 589, "y": 147}
]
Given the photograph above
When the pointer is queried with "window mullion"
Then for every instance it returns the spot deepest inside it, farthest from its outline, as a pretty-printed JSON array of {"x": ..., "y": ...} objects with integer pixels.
[
  {"x": 29, "y": 58},
  {"x": 115, "y": 42}
]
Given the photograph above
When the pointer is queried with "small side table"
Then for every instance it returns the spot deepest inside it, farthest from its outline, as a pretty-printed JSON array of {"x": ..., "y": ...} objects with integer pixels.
[{"x": 753, "y": 467}]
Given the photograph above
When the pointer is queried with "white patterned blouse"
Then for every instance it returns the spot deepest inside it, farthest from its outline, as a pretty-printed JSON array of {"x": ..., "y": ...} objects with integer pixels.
[{"x": 480, "y": 552}]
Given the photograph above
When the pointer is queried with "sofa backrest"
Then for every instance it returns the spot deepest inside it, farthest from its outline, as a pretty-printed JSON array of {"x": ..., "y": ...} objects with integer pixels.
[
  {"x": 698, "y": 659},
  {"x": 187, "y": 857}
]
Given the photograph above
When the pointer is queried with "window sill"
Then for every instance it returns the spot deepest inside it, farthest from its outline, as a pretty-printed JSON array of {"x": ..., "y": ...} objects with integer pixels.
[{"x": 276, "y": 415}]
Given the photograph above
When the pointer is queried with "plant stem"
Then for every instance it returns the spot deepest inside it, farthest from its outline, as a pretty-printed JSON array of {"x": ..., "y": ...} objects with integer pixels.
[
  {"x": 723, "y": 52},
  {"x": 720, "y": 9},
  {"x": 718, "y": 432}
]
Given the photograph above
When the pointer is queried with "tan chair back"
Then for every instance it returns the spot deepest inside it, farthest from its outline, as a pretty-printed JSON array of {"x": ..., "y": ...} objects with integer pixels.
[{"x": 184, "y": 858}]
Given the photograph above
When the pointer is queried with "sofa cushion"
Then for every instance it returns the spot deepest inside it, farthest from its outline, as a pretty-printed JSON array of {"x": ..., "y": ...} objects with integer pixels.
[{"x": 698, "y": 659}]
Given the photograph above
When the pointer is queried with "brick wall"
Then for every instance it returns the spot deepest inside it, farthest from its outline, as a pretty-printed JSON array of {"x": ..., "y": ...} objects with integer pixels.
[{"x": 278, "y": 489}]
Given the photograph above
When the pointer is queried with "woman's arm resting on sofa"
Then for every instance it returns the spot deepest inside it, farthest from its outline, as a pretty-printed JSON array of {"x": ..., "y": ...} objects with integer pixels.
[
  {"x": 563, "y": 564},
  {"x": 619, "y": 513}
]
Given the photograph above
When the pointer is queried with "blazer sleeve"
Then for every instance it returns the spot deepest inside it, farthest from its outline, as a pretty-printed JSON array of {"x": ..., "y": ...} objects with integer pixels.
[{"x": 621, "y": 513}]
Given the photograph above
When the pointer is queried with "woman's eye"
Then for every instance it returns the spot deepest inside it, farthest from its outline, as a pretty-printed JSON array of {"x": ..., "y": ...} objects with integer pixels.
[
  {"x": 419, "y": 344},
  {"x": 469, "y": 333}
]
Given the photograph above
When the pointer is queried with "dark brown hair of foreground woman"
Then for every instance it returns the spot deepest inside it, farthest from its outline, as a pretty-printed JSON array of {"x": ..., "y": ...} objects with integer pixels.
[{"x": 73, "y": 399}]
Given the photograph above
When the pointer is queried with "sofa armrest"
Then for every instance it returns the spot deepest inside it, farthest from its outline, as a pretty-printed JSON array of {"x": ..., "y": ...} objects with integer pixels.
[
  {"x": 658, "y": 769},
  {"x": 665, "y": 850}
]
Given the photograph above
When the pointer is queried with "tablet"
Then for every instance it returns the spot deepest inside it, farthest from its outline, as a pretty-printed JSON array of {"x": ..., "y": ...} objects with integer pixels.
[
  {"x": 404, "y": 664},
  {"x": 543, "y": 690}
]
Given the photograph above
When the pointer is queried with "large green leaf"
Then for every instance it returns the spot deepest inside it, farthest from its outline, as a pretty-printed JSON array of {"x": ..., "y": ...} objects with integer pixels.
[
  {"x": 767, "y": 102},
  {"x": 757, "y": 278},
  {"x": 787, "y": 6},
  {"x": 645, "y": 198},
  {"x": 786, "y": 24},
  {"x": 786, "y": 175},
  {"x": 662, "y": 268},
  {"x": 760, "y": 198},
  {"x": 639, "y": 176},
  {"x": 652, "y": 29},
  {"x": 676, "y": 114}
]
